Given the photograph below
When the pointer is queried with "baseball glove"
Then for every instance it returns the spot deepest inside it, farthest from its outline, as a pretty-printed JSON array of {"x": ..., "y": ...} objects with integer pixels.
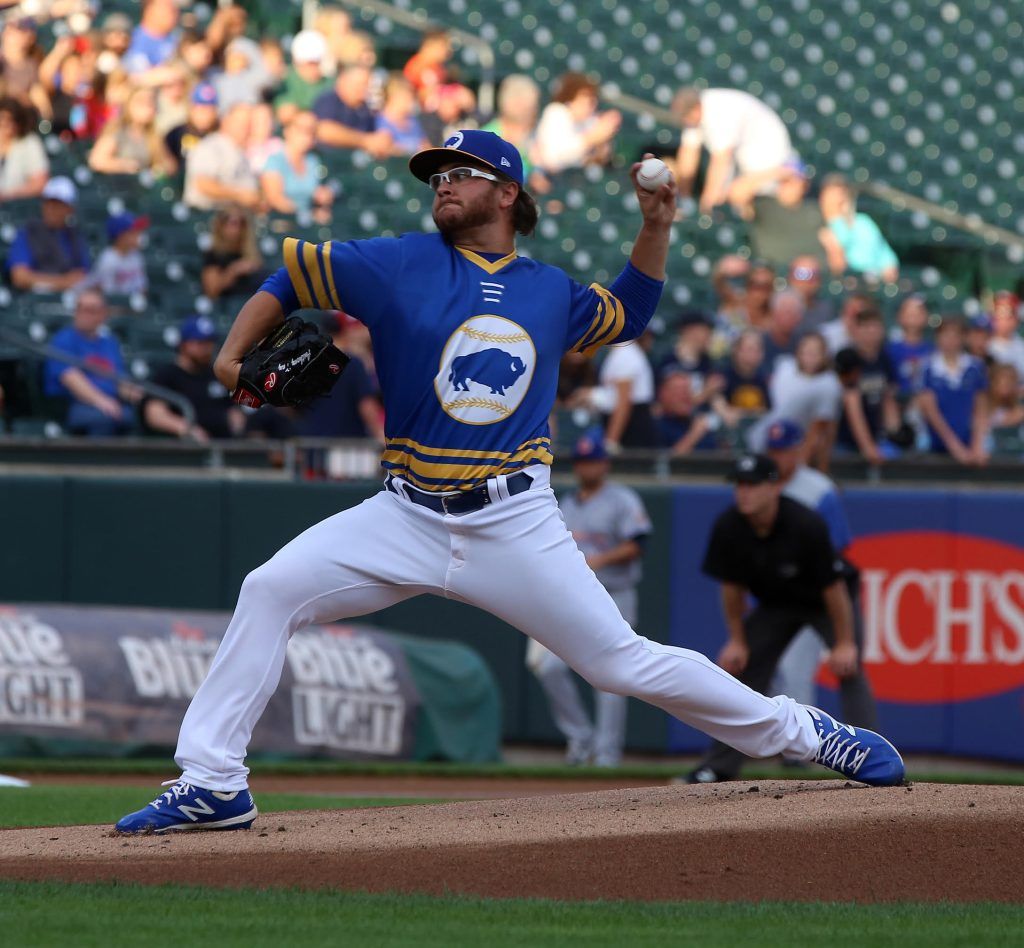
[{"x": 293, "y": 365}]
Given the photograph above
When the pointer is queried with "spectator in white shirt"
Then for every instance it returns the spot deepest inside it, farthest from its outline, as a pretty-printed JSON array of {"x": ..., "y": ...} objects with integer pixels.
[
  {"x": 572, "y": 133},
  {"x": 805, "y": 389},
  {"x": 624, "y": 396},
  {"x": 120, "y": 269},
  {"x": 747, "y": 141}
]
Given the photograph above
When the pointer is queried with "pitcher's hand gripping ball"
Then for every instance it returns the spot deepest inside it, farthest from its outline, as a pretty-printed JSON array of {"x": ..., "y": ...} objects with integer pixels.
[
  {"x": 293, "y": 365},
  {"x": 652, "y": 174}
]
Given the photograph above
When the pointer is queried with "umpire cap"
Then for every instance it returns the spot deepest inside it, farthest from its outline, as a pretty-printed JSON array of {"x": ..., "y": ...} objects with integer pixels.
[
  {"x": 485, "y": 147},
  {"x": 753, "y": 469}
]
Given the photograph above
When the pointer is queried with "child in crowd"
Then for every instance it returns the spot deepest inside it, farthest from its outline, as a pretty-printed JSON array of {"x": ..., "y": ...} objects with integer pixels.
[
  {"x": 744, "y": 393},
  {"x": 863, "y": 247},
  {"x": 952, "y": 399},
  {"x": 690, "y": 355},
  {"x": 1006, "y": 345},
  {"x": 978, "y": 336},
  {"x": 120, "y": 269},
  {"x": 1005, "y": 407},
  {"x": 908, "y": 348},
  {"x": 399, "y": 116}
]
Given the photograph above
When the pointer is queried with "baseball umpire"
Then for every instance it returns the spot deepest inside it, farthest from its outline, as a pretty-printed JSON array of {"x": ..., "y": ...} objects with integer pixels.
[
  {"x": 778, "y": 551},
  {"x": 468, "y": 336},
  {"x": 609, "y": 523},
  {"x": 798, "y": 667}
]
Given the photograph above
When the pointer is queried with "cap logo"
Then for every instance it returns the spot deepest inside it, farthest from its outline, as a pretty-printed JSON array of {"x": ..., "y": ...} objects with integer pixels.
[
  {"x": 506, "y": 162},
  {"x": 455, "y": 141}
]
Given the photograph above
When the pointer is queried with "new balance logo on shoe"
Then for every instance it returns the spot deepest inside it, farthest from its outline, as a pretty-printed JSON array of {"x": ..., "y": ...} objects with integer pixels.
[{"x": 186, "y": 807}]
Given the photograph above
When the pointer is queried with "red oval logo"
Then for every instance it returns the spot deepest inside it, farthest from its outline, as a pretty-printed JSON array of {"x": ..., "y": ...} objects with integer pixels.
[
  {"x": 270, "y": 382},
  {"x": 943, "y": 616}
]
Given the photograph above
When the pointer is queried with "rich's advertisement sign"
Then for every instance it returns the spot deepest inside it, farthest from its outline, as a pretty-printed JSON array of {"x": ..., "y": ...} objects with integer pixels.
[{"x": 943, "y": 615}]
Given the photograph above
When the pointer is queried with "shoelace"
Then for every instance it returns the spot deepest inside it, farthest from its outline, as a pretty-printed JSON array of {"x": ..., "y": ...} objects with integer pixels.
[
  {"x": 178, "y": 789},
  {"x": 841, "y": 753}
]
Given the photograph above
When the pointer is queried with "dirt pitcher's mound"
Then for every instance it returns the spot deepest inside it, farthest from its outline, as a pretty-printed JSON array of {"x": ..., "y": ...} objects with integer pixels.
[{"x": 826, "y": 841}]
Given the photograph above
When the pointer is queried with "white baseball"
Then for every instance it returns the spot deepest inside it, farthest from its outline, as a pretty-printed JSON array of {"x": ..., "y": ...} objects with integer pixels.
[{"x": 652, "y": 174}]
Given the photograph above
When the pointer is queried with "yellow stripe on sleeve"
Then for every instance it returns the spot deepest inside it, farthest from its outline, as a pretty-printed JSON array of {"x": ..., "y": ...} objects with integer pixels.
[
  {"x": 320, "y": 298},
  {"x": 325, "y": 252},
  {"x": 612, "y": 318},
  {"x": 290, "y": 252}
]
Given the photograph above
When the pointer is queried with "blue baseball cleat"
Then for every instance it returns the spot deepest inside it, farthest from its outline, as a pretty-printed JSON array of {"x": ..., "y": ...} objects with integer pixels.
[
  {"x": 185, "y": 807},
  {"x": 856, "y": 752}
]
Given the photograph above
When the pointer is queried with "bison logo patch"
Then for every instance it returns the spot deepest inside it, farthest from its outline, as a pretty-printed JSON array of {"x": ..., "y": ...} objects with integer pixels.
[{"x": 485, "y": 370}]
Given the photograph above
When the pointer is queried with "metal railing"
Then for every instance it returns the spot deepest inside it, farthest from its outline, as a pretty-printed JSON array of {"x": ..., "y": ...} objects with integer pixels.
[{"x": 25, "y": 344}]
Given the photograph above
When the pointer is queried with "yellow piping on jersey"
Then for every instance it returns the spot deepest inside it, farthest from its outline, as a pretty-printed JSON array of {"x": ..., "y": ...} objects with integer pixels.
[
  {"x": 290, "y": 252},
  {"x": 466, "y": 454},
  {"x": 483, "y": 263}
]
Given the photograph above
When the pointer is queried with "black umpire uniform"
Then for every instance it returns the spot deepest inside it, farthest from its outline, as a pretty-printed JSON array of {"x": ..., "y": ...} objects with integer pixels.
[{"x": 787, "y": 571}]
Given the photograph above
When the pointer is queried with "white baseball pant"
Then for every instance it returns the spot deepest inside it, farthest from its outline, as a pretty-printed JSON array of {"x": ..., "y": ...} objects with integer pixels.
[{"x": 513, "y": 558}]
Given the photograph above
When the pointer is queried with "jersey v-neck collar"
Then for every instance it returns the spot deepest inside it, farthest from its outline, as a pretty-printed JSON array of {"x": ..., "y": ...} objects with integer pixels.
[{"x": 483, "y": 263}]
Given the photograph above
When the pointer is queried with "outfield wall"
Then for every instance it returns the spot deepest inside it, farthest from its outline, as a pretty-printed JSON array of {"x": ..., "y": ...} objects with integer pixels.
[{"x": 943, "y": 588}]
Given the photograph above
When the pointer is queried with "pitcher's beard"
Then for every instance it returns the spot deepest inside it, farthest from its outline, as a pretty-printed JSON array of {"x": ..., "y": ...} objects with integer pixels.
[{"x": 451, "y": 225}]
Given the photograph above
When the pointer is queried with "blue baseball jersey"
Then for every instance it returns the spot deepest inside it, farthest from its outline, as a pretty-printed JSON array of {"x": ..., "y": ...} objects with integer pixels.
[{"x": 467, "y": 349}]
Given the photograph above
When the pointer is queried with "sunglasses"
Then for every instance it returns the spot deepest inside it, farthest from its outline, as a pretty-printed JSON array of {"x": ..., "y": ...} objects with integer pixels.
[{"x": 457, "y": 176}]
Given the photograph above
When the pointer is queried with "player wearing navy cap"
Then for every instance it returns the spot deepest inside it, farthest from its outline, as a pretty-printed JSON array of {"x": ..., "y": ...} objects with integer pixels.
[{"x": 467, "y": 337}]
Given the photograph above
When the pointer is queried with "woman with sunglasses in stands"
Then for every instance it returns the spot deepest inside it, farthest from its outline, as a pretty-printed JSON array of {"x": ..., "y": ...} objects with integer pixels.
[
  {"x": 740, "y": 308},
  {"x": 232, "y": 265}
]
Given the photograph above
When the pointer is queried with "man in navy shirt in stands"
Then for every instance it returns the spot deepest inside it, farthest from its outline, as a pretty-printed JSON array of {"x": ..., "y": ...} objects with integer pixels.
[{"x": 345, "y": 118}]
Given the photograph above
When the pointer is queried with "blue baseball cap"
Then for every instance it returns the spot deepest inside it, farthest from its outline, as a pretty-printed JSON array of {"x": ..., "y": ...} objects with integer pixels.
[
  {"x": 198, "y": 328},
  {"x": 980, "y": 321},
  {"x": 589, "y": 446},
  {"x": 204, "y": 94},
  {"x": 783, "y": 434},
  {"x": 118, "y": 224},
  {"x": 485, "y": 147}
]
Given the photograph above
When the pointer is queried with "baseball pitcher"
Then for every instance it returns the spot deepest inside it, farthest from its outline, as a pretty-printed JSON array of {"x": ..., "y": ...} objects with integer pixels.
[{"x": 468, "y": 335}]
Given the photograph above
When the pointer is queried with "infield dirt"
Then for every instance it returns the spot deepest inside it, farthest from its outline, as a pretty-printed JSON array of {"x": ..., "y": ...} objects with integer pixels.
[{"x": 811, "y": 841}]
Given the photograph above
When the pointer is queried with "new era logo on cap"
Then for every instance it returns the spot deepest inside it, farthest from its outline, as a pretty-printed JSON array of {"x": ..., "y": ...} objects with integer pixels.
[{"x": 505, "y": 162}]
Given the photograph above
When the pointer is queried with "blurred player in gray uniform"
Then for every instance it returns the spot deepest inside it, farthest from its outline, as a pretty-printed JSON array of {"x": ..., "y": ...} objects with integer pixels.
[
  {"x": 609, "y": 523},
  {"x": 798, "y": 668}
]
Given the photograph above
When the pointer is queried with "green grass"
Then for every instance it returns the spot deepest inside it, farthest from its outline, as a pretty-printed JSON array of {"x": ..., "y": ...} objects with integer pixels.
[
  {"x": 105, "y": 915},
  {"x": 71, "y": 806},
  {"x": 163, "y": 767}
]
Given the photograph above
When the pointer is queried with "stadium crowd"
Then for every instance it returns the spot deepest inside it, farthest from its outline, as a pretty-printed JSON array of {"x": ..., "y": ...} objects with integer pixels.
[{"x": 241, "y": 126}]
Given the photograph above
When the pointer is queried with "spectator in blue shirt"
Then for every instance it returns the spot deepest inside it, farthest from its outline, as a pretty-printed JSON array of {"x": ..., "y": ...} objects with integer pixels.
[
  {"x": 49, "y": 254},
  {"x": 952, "y": 398},
  {"x": 291, "y": 179},
  {"x": 346, "y": 119},
  {"x": 97, "y": 406},
  {"x": 908, "y": 348},
  {"x": 399, "y": 116},
  {"x": 154, "y": 41},
  {"x": 863, "y": 248}
]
